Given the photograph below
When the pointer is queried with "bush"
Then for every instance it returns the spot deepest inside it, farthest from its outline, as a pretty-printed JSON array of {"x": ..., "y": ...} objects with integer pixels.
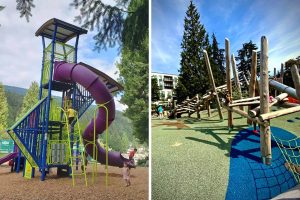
[{"x": 143, "y": 162}]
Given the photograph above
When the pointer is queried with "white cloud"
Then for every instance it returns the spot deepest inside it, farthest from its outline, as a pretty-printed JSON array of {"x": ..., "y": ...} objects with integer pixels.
[{"x": 21, "y": 51}]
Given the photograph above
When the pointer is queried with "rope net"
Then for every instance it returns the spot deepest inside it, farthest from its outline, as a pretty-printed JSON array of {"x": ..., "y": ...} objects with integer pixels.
[{"x": 290, "y": 150}]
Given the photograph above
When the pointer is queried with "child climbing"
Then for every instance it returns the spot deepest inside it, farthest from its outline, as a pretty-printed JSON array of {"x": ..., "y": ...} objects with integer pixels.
[
  {"x": 71, "y": 114},
  {"x": 126, "y": 174}
]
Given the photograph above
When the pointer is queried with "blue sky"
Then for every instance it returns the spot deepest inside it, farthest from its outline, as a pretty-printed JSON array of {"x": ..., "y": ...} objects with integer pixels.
[
  {"x": 240, "y": 21},
  {"x": 21, "y": 51}
]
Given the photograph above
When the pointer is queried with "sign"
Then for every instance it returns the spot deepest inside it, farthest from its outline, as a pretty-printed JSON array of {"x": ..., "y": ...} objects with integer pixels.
[
  {"x": 6, "y": 146},
  {"x": 28, "y": 170}
]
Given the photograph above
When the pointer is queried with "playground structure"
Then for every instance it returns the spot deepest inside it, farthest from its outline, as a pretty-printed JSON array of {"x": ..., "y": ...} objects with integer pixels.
[
  {"x": 45, "y": 136},
  {"x": 258, "y": 103},
  {"x": 259, "y": 106}
]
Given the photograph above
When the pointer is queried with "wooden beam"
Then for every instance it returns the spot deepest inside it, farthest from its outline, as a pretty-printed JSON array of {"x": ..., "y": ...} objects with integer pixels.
[
  {"x": 236, "y": 77},
  {"x": 278, "y": 113},
  {"x": 252, "y": 83},
  {"x": 244, "y": 114},
  {"x": 265, "y": 132},
  {"x": 212, "y": 82},
  {"x": 254, "y": 112},
  {"x": 244, "y": 104},
  {"x": 228, "y": 81},
  {"x": 274, "y": 77},
  {"x": 296, "y": 79},
  {"x": 281, "y": 72},
  {"x": 246, "y": 99}
]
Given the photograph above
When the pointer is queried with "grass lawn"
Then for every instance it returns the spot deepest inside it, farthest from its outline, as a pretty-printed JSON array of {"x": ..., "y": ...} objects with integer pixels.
[
  {"x": 190, "y": 158},
  {"x": 2, "y": 154}
]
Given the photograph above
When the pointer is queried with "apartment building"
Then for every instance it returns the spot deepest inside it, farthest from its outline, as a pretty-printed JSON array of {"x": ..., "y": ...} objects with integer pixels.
[{"x": 166, "y": 84}]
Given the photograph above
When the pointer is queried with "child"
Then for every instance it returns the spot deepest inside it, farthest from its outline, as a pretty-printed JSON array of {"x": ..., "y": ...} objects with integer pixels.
[
  {"x": 160, "y": 111},
  {"x": 126, "y": 174},
  {"x": 131, "y": 155},
  {"x": 71, "y": 114}
]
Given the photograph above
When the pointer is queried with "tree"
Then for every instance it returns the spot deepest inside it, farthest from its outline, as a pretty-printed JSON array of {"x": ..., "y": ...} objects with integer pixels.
[
  {"x": 193, "y": 77},
  {"x": 217, "y": 62},
  {"x": 30, "y": 99},
  {"x": 107, "y": 19},
  {"x": 24, "y": 7},
  {"x": 3, "y": 109},
  {"x": 154, "y": 90},
  {"x": 245, "y": 58},
  {"x": 133, "y": 68},
  {"x": 14, "y": 106}
]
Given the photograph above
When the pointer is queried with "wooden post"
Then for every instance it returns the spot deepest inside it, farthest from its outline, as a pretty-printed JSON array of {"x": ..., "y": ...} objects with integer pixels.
[
  {"x": 281, "y": 73},
  {"x": 274, "y": 77},
  {"x": 208, "y": 108},
  {"x": 212, "y": 82},
  {"x": 236, "y": 78},
  {"x": 296, "y": 79},
  {"x": 197, "y": 107},
  {"x": 228, "y": 81},
  {"x": 265, "y": 132},
  {"x": 252, "y": 83},
  {"x": 246, "y": 80}
]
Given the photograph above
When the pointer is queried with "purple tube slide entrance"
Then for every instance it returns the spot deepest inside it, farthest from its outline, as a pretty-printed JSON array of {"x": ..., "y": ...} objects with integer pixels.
[
  {"x": 70, "y": 72},
  {"x": 8, "y": 157}
]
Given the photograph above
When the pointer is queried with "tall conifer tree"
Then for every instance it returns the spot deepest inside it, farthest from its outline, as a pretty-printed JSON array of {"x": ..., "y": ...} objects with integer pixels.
[
  {"x": 30, "y": 99},
  {"x": 193, "y": 77},
  {"x": 217, "y": 62},
  {"x": 3, "y": 109}
]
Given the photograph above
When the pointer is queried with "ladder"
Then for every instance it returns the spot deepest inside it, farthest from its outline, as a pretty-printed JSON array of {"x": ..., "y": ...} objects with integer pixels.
[{"x": 77, "y": 154}]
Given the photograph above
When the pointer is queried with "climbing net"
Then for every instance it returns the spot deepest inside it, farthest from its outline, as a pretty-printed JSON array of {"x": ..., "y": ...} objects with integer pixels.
[{"x": 290, "y": 150}]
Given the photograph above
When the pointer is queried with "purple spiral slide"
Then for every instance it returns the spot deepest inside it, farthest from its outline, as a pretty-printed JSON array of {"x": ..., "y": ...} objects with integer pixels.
[{"x": 70, "y": 72}]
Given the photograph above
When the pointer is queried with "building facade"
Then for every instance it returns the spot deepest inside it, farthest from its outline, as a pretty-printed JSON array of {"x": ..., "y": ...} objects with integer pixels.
[{"x": 166, "y": 83}]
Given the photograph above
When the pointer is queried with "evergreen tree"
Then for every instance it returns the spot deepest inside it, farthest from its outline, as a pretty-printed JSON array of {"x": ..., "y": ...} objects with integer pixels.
[
  {"x": 193, "y": 77},
  {"x": 30, "y": 99},
  {"x": 3, "y": 109},
  {"x": 217, "y": 62},
  {"x": 154, "y": 90},
  {"x": 245, "y": 58},
  {"x": 134, "y": 68}
]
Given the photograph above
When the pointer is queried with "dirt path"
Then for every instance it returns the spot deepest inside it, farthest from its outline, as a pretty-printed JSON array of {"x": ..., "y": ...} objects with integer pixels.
[{"x": 14, "y": 186}]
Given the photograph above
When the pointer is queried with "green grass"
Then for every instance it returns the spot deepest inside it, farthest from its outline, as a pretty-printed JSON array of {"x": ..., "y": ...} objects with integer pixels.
[
  {"x": 2, "y": 154},
  {"x": 193, "y": 162}
]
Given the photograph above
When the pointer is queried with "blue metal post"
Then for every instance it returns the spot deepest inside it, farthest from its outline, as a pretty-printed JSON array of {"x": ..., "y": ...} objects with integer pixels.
[
  {"x": 18, "y": 161},
  {"x": 76, "y": 48},
  {"x": 75, "y": 60},
  {"x": 44, "y": 153},
  {"x": 41, "y": 82}
]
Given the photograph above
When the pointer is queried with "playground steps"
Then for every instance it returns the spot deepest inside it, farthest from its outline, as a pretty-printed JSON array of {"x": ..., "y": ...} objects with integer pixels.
[
  {"x": 33, "y": 161},
  {"x": 77, "y": 154},
  {"x": 25, "y": 132},
  {"x": 83, "y": 99}
]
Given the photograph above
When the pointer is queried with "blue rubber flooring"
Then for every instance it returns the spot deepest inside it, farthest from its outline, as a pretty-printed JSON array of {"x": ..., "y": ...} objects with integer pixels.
[{"x": 249, "y": 178}]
